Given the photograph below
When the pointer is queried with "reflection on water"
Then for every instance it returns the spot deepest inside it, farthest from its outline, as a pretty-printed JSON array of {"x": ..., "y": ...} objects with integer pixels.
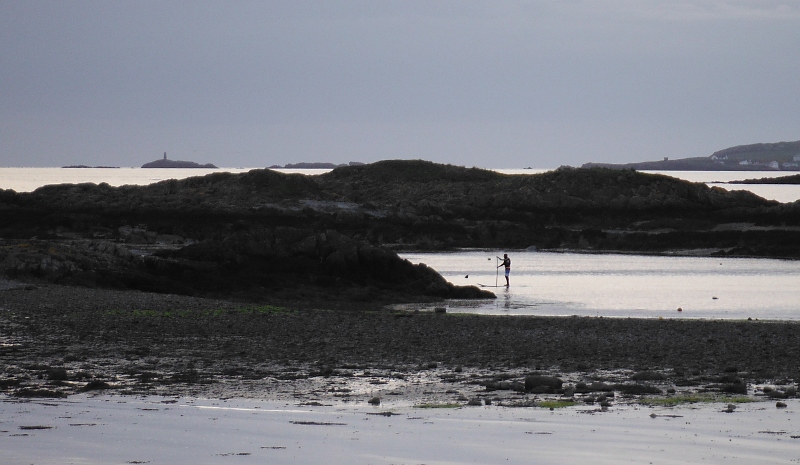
[{"x": 624, "y": 285}]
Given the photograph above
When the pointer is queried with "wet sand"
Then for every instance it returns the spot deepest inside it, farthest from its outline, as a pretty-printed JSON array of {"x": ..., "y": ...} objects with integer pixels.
[{"x": 157, "y": 430}]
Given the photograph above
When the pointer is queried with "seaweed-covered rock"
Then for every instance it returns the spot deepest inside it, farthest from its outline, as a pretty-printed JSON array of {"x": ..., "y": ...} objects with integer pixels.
[{"x": 542, "y": 384}]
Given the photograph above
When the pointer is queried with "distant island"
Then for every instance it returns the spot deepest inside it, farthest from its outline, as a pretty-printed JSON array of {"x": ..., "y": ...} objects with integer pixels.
[
  {"x": 314, "y": 165},
  {"x": 85, "y": 166},
  {"x": 778, "y": 156},
  {"x": 165, "y": 163}
]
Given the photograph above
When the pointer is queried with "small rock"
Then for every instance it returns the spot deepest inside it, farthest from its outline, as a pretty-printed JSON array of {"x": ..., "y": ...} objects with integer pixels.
[
  {"x": 729, "y": 409},
  {"x": 57, "y": 374},
  {"x": 374, "y": 401},
  {"x": 475, "y": 402},
  {"x": 780, "y": 404}
]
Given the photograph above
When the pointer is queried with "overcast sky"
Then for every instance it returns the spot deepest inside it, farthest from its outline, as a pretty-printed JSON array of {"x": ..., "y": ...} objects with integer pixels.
[{"x": 498, "y": 84}]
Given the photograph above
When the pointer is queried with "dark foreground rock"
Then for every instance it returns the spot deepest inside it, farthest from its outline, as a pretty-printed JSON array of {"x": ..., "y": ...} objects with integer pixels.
[
  {"x": 293, "y": 264},
  {"x": 57, "y": 340}
]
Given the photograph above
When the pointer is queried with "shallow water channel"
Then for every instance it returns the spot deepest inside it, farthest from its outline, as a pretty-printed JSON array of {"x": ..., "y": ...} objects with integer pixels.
[{"x": 616, "y": 285}]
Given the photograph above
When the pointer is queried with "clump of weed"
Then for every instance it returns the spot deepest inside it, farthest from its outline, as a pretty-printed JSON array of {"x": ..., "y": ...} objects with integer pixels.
[
  {"x": 553, "y": 404},
  {"x": 673, "y": 401}
]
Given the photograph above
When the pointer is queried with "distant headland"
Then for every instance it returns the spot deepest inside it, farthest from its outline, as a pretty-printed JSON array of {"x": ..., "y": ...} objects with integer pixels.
[
  {"x": 778, "y": 156},
  {"x": 165, "y": 163},
  {"x": 314, "y": 166}
]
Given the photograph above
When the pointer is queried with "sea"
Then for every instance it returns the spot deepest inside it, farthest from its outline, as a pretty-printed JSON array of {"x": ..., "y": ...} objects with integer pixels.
[{"x": 549, "y": 283}]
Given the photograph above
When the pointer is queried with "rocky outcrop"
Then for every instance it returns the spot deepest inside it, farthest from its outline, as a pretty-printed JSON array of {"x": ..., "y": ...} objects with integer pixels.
[
  {"x": 286, "y": 263},
  {"x": 263, "y": 232},
  {"x": 792, "y": 179}
]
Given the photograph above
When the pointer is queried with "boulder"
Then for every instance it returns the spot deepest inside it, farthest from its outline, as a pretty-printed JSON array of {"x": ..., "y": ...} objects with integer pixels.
[{"x": 542, "y": 384}]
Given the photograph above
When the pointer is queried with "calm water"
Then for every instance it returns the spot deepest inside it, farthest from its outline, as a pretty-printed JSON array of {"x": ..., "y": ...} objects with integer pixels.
[
  {"x": 29, "y": 179},
  {"x": 625, "y": 285},
  {"x": 779, "y": 192}
]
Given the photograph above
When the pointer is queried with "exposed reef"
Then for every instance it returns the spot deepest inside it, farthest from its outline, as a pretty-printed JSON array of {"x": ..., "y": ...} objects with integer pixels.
[{"x": 64, "y": 340}]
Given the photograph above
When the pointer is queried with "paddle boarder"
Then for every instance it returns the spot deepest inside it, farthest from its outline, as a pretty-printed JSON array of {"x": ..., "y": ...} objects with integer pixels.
[{"x": 506, "y": 263}]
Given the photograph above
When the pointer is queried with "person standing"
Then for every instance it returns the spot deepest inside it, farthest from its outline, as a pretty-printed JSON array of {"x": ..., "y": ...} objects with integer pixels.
[{"x": 506, "y": 263}]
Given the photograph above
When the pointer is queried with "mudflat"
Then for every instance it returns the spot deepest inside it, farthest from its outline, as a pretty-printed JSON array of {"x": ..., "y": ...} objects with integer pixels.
[{"x": 56, "y": 341}]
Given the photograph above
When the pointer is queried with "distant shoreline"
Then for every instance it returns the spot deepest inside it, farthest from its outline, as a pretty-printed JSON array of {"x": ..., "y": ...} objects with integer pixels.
[
  {"x": 683, "y": 165},
  {"x": 92, "y": 167},
  {"x": 778, "y": 156}
]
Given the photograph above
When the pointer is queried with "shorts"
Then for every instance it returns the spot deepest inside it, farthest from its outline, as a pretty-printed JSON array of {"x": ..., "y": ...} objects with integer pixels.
[{"x": 508, "y": 272}]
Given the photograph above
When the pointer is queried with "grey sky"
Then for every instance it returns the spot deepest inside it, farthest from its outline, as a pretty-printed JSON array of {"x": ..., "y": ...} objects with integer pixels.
[{"x": 491, "y": 84}]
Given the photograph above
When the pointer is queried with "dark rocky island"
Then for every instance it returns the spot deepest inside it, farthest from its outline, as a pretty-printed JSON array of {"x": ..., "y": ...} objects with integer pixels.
[
  {"x": 173, "y": 287},
  {"x": 783, "y": 156},
  {"x": 793, "y": 179},
  {"x": 165, "y": 163}
]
